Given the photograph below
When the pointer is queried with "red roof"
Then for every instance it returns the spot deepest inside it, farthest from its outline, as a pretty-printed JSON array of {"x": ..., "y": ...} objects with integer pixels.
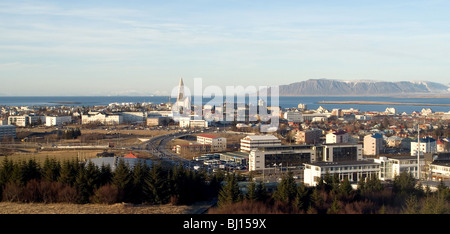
[
  {"x": 130, "y": 155},
  {"x": 208, "y": 135}
]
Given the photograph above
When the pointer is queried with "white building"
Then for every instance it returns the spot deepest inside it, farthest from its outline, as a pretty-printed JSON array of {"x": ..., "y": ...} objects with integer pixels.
[
  {"x": 426, "y": 145},
  {"x": 96, "y": 117},
  {"x": 293, "y": 116},
  {"x": 250, "y": 143},
  {"x": 337, "y": 137},
  {"x": 373, "y": 144},
  {"x": 281, "y": 156},
  {"x": 7, "y": 131},
  {"x": 24, "y": 120},
  {"x": 57, "y": 120},
  {"x": 392, "y": 167},
  {"x": 217, "y": 143},
  {"x": 353, "y": 171}
]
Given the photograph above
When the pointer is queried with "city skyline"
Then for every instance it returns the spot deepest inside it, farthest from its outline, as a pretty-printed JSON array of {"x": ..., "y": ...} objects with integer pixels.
[{"x": 143, "y": 48}]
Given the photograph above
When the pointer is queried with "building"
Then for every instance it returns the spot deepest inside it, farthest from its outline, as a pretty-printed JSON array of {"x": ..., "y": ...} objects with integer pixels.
[
  {"x": 97, "y": 117},
  {"x": 308, "y": 136},
  {"x": 57, "y": 120},
  {"x": 392, "y": 167},
  {"x": 426, "y": 145},
  {"x": 157, "y": 120},
  {"x": 341, "y": 152},
  {"x": 278, "y": 156},
  {"x": 440, "y": 171},
  {"x": 293, "y": 116},
  {"x": 7, "y": 131},
  {"x": 24, "y": 120},
  {"x": 193, "y": 148},
  {"x": 217, "y": 143},
  {"x": 353, "y": 171},
  {"x": 337, "y": 137},
  {"x": 239, "y": 158},
  {"x": 373, "y": 144},
  {"x": 188, "y": 122},
  {"x": 250, "y": 143},
  {"x": 133, "y": 117}
]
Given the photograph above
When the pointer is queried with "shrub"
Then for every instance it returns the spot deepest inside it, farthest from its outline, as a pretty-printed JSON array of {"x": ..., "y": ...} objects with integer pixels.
[{"x": 107, "y": 194}]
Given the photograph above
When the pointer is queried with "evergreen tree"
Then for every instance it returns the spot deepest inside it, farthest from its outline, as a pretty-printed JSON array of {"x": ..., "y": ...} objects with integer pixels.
[
  {"x": 139, "y": 175},
  {"x": 286, "y": 190},
  {"x": 301, "y": 201},
  {"x": 121, "y": 179},
  {"x": 251, "y": 192},
  {"x": 230, "y": 192},
  {"x": 51, "y": 170},
  {"x": 6, "y": 171},
  {"x": 156, "y": 187},
  {"x": 68, "y": 172}
]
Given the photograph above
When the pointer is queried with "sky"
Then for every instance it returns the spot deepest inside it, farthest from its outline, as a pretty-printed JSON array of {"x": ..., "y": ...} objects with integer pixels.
[{"x": 143, "y": 47}]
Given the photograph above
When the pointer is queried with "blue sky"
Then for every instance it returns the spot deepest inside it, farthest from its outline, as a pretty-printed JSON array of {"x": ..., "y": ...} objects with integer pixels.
[{"x": 144, "y": 47}]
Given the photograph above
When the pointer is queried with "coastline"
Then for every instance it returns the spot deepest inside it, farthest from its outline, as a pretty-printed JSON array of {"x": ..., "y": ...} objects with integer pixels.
[{"x": 381, "y": 103}]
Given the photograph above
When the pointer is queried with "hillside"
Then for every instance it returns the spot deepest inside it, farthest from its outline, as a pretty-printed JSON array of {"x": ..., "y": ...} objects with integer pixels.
[{"x": 327, "y": 87}]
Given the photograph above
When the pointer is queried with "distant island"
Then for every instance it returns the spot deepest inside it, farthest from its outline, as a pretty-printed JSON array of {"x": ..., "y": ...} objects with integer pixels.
[
  {"x": 65, "y": 102},
  {"x": 328, "y": 87},
  {"x": 381, "y": 103}
]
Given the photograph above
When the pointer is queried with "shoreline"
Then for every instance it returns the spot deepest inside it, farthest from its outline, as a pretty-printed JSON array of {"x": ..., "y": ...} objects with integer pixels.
[{"x": 381, "y": 103}]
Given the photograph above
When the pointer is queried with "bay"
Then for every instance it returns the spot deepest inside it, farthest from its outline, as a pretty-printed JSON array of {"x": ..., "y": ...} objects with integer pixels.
[{"x": 285, "y": 102}]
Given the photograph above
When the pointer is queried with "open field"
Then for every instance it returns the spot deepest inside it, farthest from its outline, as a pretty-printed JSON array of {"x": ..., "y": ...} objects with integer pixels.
[{"x": 119, "y": 208}]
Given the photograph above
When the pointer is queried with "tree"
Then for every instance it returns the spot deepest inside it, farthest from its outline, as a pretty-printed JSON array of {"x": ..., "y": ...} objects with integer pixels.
[
  {"x": 302, "y": 198},
  {"x": 51, "y": 170},
  {"x": 156, "y": 190},
  {"x": 68, "y": 172},
  {"x": 404, "y": 183},
  {"x": 121, "y": 179},
  {"x": 230, "y": 192},
  {"x": 286, "y": 190},
  {"x": 138, "y": 178}
]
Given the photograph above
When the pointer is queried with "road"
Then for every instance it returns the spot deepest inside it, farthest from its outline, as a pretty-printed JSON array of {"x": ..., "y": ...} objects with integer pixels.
[{"x": 158, "y": 147}]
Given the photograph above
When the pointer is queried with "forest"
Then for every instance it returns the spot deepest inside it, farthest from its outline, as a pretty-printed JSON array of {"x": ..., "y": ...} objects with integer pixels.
[{"x": 70, "y": 181}]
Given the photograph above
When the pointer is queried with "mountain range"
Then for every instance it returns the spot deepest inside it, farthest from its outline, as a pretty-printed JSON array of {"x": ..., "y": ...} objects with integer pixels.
[{"x": 329, "y": 87}]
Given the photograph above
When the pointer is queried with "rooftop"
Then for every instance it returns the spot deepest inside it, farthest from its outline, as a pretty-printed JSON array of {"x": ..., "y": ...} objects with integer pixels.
[
  {"x": 261, "y": 137},
  {"x": 207, "y": 135}
]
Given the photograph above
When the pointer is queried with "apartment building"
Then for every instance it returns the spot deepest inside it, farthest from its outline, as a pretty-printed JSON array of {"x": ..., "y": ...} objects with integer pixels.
[
  {"x": 57, "y": 120},
  {"x": 24, "y": 120},
  {"x": 373, "y": 144},
  {"x": 217, "y": 143},
  {"x": 426, "y": 145},
  {"x": 311, "y": 136},
  {"x": 250, "y": 143},
  {"x": 337, "y": 137}
]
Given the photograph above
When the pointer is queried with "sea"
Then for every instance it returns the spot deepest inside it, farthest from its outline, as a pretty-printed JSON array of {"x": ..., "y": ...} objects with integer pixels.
[{"x": 311, "y": 102}]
